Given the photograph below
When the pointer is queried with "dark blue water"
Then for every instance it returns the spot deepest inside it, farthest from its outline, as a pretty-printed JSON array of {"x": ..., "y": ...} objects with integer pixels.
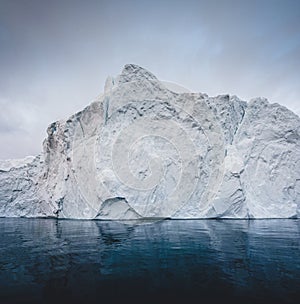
[{"x": 46, "y": 261}]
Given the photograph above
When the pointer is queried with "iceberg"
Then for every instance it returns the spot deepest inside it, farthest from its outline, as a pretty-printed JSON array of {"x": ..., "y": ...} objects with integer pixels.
[{"x": 147, "y": 149}]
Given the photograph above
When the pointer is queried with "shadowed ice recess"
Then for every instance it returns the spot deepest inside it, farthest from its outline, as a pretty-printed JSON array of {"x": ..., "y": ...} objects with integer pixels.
[{"x": 46, "y": 260}]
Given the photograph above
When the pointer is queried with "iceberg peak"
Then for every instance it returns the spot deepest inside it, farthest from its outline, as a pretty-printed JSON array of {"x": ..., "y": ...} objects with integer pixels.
[{"x": 133, "y": 72}]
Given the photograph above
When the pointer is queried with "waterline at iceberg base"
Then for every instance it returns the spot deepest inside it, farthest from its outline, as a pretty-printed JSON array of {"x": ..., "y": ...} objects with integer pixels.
[{"x": 145, "y": 149}]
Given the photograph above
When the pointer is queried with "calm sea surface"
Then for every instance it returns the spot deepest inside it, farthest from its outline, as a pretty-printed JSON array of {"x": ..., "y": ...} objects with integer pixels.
[{"x": 48, "y": 261}]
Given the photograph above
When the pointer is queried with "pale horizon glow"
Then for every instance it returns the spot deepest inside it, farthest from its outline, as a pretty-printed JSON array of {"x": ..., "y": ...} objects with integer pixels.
[{"x": 55, "y": 55}]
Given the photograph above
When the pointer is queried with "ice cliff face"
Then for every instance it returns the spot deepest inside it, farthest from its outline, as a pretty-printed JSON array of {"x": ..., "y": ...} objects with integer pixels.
[{"x": 141, "y": 150}]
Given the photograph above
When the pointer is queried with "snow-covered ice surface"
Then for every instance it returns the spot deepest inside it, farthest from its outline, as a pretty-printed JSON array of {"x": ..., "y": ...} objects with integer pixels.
[{"x": 145, "y": 150}]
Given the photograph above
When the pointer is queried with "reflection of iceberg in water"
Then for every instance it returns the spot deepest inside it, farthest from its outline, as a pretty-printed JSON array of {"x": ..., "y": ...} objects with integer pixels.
[{"x": 85, "y": 260}]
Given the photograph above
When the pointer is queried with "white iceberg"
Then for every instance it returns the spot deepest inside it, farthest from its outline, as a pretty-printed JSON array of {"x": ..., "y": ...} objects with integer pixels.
[{"x": 145, "y": 150}]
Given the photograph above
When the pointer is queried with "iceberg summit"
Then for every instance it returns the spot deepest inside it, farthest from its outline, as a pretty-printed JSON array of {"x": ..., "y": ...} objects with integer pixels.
[{"x": 143, "y": 149}]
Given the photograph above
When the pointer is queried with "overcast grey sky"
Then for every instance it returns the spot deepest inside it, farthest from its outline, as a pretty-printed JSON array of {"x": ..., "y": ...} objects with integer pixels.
[{"x": 56, "y": 55}]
